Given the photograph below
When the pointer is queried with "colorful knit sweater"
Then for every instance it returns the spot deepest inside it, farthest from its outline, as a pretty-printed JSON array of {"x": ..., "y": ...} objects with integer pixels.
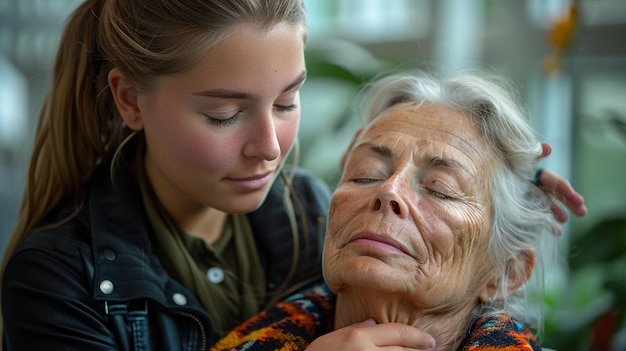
[{"x": 294, "y": 323}]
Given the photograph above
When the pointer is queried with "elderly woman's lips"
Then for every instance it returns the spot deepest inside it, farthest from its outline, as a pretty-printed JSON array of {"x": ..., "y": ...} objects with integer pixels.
[{"x": 377, "y": 242}]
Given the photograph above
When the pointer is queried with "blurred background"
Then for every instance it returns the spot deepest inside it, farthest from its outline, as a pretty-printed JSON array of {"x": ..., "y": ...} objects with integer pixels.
[{"x": 567, "y": 57}]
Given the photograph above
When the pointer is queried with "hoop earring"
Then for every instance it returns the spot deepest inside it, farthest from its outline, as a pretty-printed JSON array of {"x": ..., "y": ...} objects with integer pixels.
[{"x": 118, "y": 152}]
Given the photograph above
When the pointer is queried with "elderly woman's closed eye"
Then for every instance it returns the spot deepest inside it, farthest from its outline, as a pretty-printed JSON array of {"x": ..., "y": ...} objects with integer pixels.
[{"x": 422, "y": 227}]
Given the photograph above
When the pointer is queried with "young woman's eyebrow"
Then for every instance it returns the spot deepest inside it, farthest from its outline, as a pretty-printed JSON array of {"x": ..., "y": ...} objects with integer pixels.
[
  {"x": 241, "y": 95},
  {"x": 295, "y": 83}
]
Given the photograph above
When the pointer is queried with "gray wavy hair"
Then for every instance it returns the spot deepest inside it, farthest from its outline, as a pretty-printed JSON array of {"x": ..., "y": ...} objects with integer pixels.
[{"x": 522, "y": 219}]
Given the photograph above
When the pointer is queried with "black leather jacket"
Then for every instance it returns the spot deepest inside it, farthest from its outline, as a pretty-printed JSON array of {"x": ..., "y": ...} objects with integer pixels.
[{"x": 96, "y": 283}]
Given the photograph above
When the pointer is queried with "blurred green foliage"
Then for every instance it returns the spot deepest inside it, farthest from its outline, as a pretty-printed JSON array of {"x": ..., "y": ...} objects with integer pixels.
[{"x": 591, "y": 314}]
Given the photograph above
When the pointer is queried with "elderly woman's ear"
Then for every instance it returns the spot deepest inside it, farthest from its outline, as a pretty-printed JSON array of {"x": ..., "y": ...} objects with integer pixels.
[{"x": 519, "y": 270}]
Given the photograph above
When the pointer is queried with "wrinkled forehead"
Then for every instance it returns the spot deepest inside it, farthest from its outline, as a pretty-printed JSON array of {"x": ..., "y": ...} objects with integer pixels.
[
  {"x": 431, "y": 131},
  {"x": 429, "y": 121}
]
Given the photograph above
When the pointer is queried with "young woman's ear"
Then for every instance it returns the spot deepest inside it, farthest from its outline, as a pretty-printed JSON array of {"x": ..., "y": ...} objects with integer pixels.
[{"x": 125, "y": 96}]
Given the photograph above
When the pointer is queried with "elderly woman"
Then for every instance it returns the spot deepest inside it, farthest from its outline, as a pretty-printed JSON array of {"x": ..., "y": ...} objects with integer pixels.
[{"x": 435, "y": 222}]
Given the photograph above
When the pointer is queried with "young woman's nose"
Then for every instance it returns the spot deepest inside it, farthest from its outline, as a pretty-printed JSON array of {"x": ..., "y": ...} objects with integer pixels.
[{"x": 263, "y": 140}]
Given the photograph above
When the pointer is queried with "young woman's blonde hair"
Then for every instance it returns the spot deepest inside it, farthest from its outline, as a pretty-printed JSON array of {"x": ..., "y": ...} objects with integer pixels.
[{"x": 79, "y": 127}]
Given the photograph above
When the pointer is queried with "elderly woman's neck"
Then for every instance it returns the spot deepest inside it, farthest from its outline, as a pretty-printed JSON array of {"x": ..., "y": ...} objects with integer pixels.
[{"x": 446, "y": 324}]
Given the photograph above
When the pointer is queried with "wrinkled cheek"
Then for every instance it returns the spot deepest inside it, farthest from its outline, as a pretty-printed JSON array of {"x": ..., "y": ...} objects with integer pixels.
[
  {"x": 334, "y": 241},
  {"x": 442, "y": 237},
  {"x": 341, "y": 215},
  {"x": 339, "y": 267},
  {"x": 331, "y": 265},
  {"x": 347, "y": 201},
  {"x": 468, "y": 263},
  {"x": 327, "y": 262},
  {"x": 446, "y": 235},
  {"x": 456, "y": 232},
  {"x": 472, "y": 240}
]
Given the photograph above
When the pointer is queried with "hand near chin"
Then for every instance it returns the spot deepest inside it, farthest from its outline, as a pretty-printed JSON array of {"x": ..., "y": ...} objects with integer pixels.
[{"x": 368, "y": 335}]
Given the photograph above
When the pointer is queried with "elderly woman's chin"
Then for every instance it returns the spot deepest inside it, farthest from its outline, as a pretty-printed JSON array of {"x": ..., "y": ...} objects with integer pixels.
[{"x": 386, "y": 274}]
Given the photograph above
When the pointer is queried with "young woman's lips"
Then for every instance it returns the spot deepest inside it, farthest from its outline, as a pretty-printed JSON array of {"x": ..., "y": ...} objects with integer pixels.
[{"x": 252, "y": 183}]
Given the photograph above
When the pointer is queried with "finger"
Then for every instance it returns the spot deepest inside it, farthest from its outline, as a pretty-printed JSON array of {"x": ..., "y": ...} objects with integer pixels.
[
  {"x": 546, "y": 150},
  {"x": 562, "y": 191},
  {"x": 366, "y": 323},
  {"x": 398, "y": 334},
  {"x": 559, "y": 213}
]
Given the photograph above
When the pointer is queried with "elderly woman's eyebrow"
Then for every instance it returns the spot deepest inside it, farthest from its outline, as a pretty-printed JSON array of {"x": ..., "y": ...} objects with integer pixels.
[
  {"x": 447, "y": 162},
  {"x": 431, "y": 162},
  {"x": 379, "y": 149}
]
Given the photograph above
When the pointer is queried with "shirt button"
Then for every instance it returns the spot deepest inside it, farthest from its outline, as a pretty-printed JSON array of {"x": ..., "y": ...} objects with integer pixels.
[
  {"x": 106, "y": 286},
  {"x": 179, "y": 299},
  {"x": 215, "y": 275},
  {"x": 109, "y": 254}
]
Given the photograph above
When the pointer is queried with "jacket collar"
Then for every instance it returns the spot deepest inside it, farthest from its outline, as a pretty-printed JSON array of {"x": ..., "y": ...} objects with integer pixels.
[{"x": 126, "y": 265}]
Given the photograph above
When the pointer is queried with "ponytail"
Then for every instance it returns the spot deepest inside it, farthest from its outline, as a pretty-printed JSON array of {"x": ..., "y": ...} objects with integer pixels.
[{"x": 77, "y": 126}]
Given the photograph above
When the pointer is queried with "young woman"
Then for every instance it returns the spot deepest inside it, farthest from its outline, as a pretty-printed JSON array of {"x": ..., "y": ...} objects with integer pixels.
[{"x": 158, "y": 212}]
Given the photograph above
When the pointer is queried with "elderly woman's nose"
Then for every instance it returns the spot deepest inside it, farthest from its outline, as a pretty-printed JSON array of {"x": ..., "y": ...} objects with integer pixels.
[
  {"x": 389, "y": 196},
  {"x": 389, "y": 206}
]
